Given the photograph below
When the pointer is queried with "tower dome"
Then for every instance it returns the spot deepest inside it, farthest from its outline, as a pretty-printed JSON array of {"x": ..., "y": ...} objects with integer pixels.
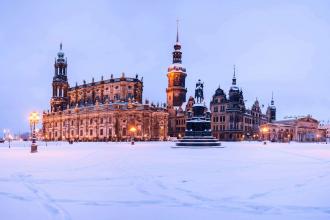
[{"x": 60, "y": 54}]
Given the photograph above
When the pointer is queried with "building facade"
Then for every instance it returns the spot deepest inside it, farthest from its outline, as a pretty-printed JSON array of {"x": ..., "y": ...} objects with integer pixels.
[
  {"x": 326, "y": 128},
  {"x": 231, "y": 120},
  {"x": 301, "y": 129},
  {"x": 103, "y": 110}
]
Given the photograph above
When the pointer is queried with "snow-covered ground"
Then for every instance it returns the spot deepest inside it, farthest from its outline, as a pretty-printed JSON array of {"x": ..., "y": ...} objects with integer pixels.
[{"x": 154, "y": 181}]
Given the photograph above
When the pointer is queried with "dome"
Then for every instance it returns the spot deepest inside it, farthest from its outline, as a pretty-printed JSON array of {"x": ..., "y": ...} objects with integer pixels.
[
  {"x": 177, "y": 46},
  {"x": 234, "y": 88},
  {"x": 60, "y": 54}
]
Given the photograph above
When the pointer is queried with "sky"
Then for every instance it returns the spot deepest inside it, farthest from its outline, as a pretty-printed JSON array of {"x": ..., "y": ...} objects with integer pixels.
[{"x": 277, "y": 46}]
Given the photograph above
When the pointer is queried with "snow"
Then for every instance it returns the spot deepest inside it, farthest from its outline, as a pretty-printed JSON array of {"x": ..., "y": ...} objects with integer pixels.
[
  {"x": 176, "y": 65},
  {"x": 152, "y": 180}
]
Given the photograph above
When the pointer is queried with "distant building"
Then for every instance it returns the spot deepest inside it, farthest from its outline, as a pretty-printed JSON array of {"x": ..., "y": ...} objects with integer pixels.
[
  {"x": 301, "y": 129},
  {"x": 231, "y": 120},
  {"x": 326, "y": 129},
  {"x": 103, "y": 110}
]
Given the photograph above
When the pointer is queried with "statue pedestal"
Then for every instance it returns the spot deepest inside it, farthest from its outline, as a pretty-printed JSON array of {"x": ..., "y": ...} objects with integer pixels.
[{"x": 198, "y": 130}]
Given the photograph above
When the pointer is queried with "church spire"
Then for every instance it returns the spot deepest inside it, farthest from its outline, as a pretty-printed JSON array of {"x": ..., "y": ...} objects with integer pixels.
[
  {"x": 234, "y": 77},
  {"x": 60, "y": 54},
  {"x": 272, "y": 102},
  {"x": 177, "y": 31},
  {"x": 177, "y": 54}
]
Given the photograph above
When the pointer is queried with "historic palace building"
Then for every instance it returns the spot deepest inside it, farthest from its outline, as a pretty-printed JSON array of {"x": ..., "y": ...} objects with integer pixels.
[
  {"x": 231, "y": 120},
  {"x": 105, "y": 110},
  {"x": 301, "y": 129}
]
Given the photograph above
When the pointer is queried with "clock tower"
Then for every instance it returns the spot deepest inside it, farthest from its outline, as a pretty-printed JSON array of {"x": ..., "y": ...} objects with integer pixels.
[{"x": 176, "y": 75}]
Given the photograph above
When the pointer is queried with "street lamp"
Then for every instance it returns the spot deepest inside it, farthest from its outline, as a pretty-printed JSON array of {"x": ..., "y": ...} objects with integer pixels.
[
  {"x": 34, "y": 119},
  {"x": 10, "y": 137},
  {"x": 264, "y": 131},
  {"x": 132, "y": 130}
]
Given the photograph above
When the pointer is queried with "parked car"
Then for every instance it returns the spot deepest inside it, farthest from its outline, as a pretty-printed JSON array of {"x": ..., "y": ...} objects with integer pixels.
[{"x": 2, "y": 140}]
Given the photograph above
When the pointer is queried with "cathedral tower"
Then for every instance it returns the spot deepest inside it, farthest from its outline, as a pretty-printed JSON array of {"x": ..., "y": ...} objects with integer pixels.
[
  {"x": 60, "y": 83},
  {"x": 176, "y": 91}
]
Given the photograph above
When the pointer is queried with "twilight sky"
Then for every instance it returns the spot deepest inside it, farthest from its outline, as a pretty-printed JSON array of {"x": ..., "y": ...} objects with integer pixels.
[{"x": 280, "y": 46}]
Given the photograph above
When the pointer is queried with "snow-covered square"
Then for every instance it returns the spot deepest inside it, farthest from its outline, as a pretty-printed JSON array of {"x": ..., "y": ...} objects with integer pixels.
[{"x": 152, "y": 180}]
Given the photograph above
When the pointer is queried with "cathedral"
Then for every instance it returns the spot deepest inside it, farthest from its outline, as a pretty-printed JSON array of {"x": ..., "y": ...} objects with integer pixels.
[
  {"x": 105, "y": 110},
  {"x": 232, "y": 121}
]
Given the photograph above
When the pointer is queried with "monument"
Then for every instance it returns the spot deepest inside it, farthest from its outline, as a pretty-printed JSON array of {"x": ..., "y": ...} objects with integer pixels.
[{"x": 198, "y": 125}]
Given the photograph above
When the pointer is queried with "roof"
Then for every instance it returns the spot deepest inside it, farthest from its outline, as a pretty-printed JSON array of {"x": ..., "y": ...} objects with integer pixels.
[{"x": 114, "y": 80}]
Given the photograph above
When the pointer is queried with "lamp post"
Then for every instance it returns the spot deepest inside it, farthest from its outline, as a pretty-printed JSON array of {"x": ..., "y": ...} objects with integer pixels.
[
  {"x": 132, "y": 130},
  {"x": 9, "y": 139},
  {"x": 34, "y": 119},
  {"x": 264, "y": 131}
]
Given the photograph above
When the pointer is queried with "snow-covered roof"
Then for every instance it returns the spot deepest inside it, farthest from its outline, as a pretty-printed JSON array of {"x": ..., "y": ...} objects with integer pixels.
[
  {"x": 176, "y": 67},
  {"x": 234, "y": 88}
]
